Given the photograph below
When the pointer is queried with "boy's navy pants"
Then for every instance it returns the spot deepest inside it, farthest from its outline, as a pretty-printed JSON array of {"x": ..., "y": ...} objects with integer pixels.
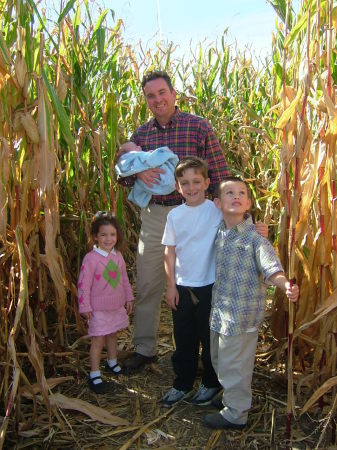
[{"x": 191, "y": 327}]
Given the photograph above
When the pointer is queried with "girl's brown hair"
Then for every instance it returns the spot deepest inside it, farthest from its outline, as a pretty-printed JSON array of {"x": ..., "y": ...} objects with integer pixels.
[{"x": 107, "y": 218}]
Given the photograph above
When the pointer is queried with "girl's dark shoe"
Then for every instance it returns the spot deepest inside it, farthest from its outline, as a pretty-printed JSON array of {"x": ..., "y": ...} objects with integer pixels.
[
  {"x": 100, "y": 388},
  {"x": 113, "y": 369}
]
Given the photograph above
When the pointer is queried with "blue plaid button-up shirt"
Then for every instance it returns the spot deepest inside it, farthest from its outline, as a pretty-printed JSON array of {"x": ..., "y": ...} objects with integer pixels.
[{"x": 244, "y": 260}]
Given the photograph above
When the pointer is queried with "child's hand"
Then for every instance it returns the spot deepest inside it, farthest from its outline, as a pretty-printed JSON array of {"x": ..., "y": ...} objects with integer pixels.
[
  {"x": 172, "y": 297},
  {"x": 262, "y": 229},
  {"x": 292, "y": 291},
  {"x": 129, "y": 308}
]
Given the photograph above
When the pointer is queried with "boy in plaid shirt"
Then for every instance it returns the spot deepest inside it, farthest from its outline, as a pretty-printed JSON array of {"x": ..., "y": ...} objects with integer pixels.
[{"x": 245, "y": 261}]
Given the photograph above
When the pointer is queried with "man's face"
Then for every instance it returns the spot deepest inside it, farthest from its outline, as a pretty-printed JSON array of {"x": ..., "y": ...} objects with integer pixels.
[{"x": 160, "y": 100}]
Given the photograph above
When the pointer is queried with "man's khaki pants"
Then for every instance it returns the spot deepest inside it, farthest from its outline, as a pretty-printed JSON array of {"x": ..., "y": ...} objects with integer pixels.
[
  {"x": 150, "y": 278},
  {"x": 233, "y": 361}
]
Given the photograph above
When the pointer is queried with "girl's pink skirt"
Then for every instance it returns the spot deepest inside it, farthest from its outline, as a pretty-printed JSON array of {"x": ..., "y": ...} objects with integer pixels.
[{"x": 103, "y": 323}]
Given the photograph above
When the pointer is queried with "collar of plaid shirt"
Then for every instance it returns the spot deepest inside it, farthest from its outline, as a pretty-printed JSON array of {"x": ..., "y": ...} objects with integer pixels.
[{"x": 173, "y": 120}]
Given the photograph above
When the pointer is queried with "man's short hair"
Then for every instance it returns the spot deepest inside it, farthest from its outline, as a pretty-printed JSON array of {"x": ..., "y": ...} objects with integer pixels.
[
  {"x": 232, "y": 178},
  {"x": 155, "y": 75},
  {"x": 191, "y": 162}
]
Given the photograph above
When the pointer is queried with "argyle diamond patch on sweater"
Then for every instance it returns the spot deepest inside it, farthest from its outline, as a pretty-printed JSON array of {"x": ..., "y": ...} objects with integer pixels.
[{"x": 112, "y": 274}]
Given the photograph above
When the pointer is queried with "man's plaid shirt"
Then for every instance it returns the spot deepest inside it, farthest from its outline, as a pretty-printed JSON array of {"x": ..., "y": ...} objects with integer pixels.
[
  {"x": 244, "y": 259},
  {"x": 186, "y": 135}
]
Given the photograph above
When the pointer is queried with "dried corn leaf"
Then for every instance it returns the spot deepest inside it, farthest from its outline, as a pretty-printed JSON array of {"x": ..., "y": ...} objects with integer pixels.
[
  {"x": 4, "y": 178},
  {"x": 46, "y": 141},
  {"x": 11, "y": 401},
  {"x": 20, "y": 69},
  {"x": 61, "y": 88},
  {"x": 155, "y": 435},
  {"x": 53, "y": 259},
  {"x": 328, "y": 102},
  {"x": 329, "y": 304},
  {"x": 35, "y": 356},
  {"x": 318, "y": 393},
  {"x": 94, "y": 412},
  {"x": 5, "y": 56},
  {"x": 23, "y": 294},
  {"x": 51, "y": 382},
  {"x": 290, "y": 111},
  {"x": 30, "y": 127}
]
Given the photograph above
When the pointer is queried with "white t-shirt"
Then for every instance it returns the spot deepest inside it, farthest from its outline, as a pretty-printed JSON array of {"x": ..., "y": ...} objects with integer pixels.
[{"x": 192, "y": 230}]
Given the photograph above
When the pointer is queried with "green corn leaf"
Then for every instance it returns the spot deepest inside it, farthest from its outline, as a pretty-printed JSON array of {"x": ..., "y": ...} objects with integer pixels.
[
  {"x": 65, "y": 11},
  {"x": 300, "y": 26},
  {"x": 100, "y": 39},
  {"x": 42, "y": 22},
  {"x": 100, "y": 20},
  {"x": 61, "y": 114}
]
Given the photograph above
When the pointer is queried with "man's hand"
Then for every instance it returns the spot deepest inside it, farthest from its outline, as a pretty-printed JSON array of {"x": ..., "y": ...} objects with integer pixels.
[
  {"x": 86, "y": 315},
  {"x": 172, "y": 297},
  {"x": 150, "y": 176},
  {"x": 129, "y": 308},
  {"x": 262, "y": 229}
]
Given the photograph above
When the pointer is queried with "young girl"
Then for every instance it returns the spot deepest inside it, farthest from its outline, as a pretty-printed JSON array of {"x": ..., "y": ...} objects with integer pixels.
[{"x": 104, "y": 295}]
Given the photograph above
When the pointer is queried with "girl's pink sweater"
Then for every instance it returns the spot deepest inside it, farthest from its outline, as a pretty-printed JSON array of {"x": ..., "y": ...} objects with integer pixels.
[{"x": 103, "y": 283}]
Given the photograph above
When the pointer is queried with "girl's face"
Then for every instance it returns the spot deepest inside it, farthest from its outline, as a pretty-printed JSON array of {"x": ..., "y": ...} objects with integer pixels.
[{"x": 106, "y": 237}]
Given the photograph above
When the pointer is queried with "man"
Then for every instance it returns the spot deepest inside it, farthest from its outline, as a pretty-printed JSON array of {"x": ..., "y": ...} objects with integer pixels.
[{"x": 185, "y": 134}]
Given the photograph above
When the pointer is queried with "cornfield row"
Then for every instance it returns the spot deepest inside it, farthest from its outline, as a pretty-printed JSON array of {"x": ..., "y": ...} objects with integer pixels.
[{"x": 71, "y": 94}]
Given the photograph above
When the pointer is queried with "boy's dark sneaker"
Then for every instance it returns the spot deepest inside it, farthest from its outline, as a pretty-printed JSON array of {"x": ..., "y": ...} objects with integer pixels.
[
  {"x": 204, "y": 395},
  {"x": 100, "y": 388},
  {"x": 218, "y": 422},
  {"x": 174, "y": 396},
  {"x": 136, "y": 363}
]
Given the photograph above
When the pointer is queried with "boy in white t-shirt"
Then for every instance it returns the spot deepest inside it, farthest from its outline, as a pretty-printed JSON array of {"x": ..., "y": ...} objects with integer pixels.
[{"x": 190, "y": 273}]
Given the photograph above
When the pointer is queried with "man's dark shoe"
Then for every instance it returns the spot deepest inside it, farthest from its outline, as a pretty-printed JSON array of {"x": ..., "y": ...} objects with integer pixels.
[
  {"x": 136, "y": 363},
  {"x": 218, "y": 422},
  {"x": 217, "y": 402}
]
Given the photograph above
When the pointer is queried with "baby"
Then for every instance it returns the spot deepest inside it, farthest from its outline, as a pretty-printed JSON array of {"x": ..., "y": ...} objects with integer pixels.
[{"x": 132, "y": 160}]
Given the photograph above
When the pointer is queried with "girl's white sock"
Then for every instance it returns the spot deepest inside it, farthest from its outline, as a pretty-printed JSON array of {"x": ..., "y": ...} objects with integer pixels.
[
  {"x": 112, "y": 363},
  {"x": 96, "y": 373}
]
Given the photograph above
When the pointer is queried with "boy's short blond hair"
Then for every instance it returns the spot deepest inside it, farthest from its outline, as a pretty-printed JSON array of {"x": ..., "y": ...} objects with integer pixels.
[{"x": 191, "y": 162}]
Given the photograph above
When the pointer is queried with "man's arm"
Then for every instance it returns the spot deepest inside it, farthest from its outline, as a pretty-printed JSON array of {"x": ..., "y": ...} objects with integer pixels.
[
  {"x": 212, "y": 152},
  {"x": 171, "y": 295}
]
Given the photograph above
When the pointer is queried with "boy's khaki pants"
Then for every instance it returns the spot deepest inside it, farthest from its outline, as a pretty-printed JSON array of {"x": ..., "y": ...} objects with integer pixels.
[
  {"x": 150, "y": 279},
  {"x": 233, "y": 360}
]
